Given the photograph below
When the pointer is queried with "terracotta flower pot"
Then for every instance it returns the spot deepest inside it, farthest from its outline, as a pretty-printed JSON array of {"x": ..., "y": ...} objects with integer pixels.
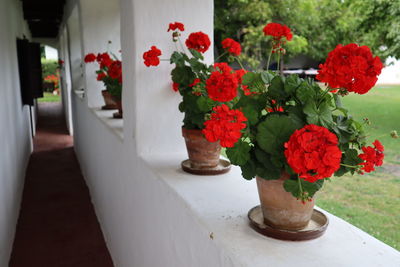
[
  {"x": 202, "y": 154},
  {"x": 280, "y": 209},
  {"x": 118, "y": 102},
  {"x": 108, "y": 100}
]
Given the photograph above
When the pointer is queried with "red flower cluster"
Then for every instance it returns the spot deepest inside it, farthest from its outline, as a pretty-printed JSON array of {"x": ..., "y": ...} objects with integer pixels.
[
  {"x": 351, "y": 67},
  {"x": 231, "y": 46},
  {"x": 372, "y": 156},
  {"x": 278, "y": 31},
  {"x": 225, "y": 125},
  {"x": 313, "y": 153},
  {"x": 195, "y": 82},
  {"x": 275, "y": 108},
  {"x": 222, "y": 84},
  {"x": 104, "y": 60},
  {"x": 239, "y": 75},
  {"x": 198, "y": 41},
  {"x": 176, "y": 25},
  {"x": 115, "y": 70},
  {"x": 90, "y": 58},
  {"x": 151, "y": 57},
  {"x": 175, "y": 86},
  {"x": 101, "y": 76}
]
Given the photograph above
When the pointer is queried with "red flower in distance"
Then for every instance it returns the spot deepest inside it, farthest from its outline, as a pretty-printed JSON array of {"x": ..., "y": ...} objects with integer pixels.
[
  {"x": 278, "y": 31},
  {"x": 151, "y": 57},
  {"x": 90, "y": 58},
  {"x": 225, "y": 125},
  {"x": 195, "y": 82},
  {"x": 104, "y": 60},
  {"x": 231, "y": 46},
  {"x": 313, "y": 153},
  {"x": 372, "y": 156},
  {"x": 176, "y": 25},
  {"x": 101, "y": 76},
  {"x": 222, "y": 84},
  {"x": 198, "y": 41},
  {"x": 175, "y": 86},
  {"x": 115, "y": 70},
  {"x": 275, "y": 108},
  {"x": 351, "y": 67}
]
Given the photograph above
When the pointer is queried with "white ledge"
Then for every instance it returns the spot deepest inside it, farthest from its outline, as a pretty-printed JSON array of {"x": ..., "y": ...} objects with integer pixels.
[
  {"x": 220, "y": 203},
  {"x": 106, "y": 116}
]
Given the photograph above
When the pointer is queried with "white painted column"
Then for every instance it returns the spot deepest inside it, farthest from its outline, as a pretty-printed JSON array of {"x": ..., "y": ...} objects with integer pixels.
[
  {"x": 100, "y": 24},
  {"x": 148, "y": 100}
]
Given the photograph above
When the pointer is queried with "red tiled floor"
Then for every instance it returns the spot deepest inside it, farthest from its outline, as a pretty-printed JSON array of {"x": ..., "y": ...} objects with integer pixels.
[{"x": 57, "y": 225}]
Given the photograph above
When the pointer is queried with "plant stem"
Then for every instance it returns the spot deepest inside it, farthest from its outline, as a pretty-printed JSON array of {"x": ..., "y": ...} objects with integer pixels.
[
  {"x": 349, "y": 166},
  {"x": 240, "y": 63},
  {"x": 223, "y": 54},
  {"x": 278, "y": 70},
  {"x": 269, "y": 58},
  {"x": 300, "y": 186}
]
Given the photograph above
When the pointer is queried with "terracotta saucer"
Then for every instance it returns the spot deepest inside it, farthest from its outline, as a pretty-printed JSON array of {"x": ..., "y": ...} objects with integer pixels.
[
  {"x": 315, "y": 228},
  {"x": 223, "y": 167},
  {"x": 107, "y": 107},
  {"x": 117, "y": 115}
]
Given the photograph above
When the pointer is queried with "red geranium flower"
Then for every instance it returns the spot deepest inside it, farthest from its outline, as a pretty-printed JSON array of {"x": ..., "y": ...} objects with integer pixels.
[
  {"x": 313, "y": 153},
  {"x": 351, "y": 67},
  {"x": 225, "y": 125},
  {"x": 175, "y": 86},
  {"x": 104, "y": 60},
  {"x": 115, "y": 70},
  {"x": 176, "y": 25},
  {"x": 195, "y": 82},
  {"x": 198, "y": 41},
  {"x": 275, "y": 108},
  {"x": 231, "y": 46},
  {"x": 101, "y": 76},
  {"x": 151, "y": 57},
  {"x": 246, "y": 90},
  {"x": 222, "y": 84},
  {"x": 90, "y": 58},
  {"x": 278, "y": 31},
  {"x": 372, "y": 156}
]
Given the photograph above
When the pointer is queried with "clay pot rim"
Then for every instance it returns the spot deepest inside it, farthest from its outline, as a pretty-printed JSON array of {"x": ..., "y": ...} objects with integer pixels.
[{"x": 197, "y": 132}]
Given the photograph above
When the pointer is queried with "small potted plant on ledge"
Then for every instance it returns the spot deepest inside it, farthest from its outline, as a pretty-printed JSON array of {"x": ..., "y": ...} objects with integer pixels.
[
  {"x": 203, "y": 88},
  {"x": 298, "y": 134},
  {"x": 110, "y": 73}
]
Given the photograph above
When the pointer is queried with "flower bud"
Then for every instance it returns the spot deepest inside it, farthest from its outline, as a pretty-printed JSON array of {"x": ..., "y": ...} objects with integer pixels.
[{"x": 394, "y": 134}]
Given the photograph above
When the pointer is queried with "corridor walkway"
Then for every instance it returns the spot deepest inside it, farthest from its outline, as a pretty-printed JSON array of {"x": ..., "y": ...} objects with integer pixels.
[{"x": 57, "y": 225}]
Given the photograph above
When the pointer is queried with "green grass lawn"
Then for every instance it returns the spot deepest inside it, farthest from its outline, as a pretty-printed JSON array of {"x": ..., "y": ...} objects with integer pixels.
[
  {"x": 372, "y": 201},
  {"x": 49, "y": 97}
]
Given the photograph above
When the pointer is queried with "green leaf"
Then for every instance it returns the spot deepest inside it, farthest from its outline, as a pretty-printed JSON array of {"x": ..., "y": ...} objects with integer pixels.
[
  {"x": 321, "y": 116},
  {"x": 292, "y": 83},
  {"x": 204, "y": 104},
  {"x": 239, "y": 154},
  {"x": 338, "y": 101},
  {"x": 305, "y": 92},
  {"x": 274, "y": 131},
  {"x": 196, "y": 54},
  {"x": 292, "y": 186},
  {"x": 267, "y": 77},
  {"x": 177, "y": 58},
  {"x": 253, "y": 80},
  {"x": 183, "y": 75},
  {"x": 276, "y": 90},
  {"x": 267, "y": 170},
  {"x": 248, "y": 170},
  {"x": 196, "y": 65},
  {"x": 296, "y": 115}
]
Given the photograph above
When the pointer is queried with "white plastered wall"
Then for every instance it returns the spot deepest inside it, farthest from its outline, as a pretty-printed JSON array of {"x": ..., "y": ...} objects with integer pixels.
[
  {"x": 101, "y": 20},
  {"x": 15, "y": 132}
]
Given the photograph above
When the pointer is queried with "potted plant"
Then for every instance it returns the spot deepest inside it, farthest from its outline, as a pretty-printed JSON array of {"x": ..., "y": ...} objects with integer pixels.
[
  {"x": 110, "y": 73},
  {"x": 298, "y": 134},
  {"x": 203, "y": 88}
]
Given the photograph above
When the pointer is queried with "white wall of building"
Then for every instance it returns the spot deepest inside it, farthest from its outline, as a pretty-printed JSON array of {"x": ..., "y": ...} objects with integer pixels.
[
  {"x": 15, "y": 136},
  {"x": 101, "y": 20}
]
